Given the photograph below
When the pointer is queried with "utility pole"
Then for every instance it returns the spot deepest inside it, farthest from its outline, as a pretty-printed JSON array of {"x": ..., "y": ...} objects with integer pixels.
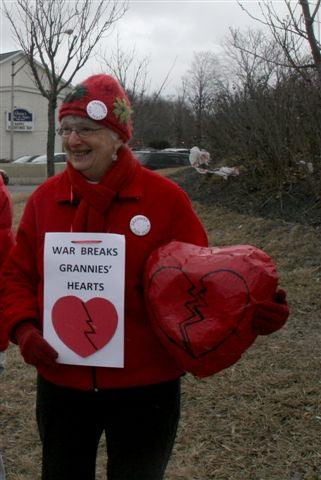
[
  {"x": 11, "y": 110},
  {"x": 13, "y": 73}
]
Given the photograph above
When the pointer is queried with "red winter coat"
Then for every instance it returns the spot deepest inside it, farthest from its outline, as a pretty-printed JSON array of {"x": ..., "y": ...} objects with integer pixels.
[
  {"x": 49, "y": 209},
  {"x": 6, "y": 241}
]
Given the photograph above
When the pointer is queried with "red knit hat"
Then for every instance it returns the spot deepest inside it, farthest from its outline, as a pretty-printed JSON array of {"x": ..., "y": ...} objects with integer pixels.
[{"x": 102, "y": 99}]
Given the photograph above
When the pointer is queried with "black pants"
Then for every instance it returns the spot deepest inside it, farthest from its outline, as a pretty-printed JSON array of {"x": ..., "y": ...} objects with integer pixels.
[{"x": 139, "y": 423}]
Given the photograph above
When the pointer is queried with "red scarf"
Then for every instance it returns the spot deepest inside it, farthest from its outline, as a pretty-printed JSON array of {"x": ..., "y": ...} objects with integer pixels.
[{"x": 95, "y": 198}]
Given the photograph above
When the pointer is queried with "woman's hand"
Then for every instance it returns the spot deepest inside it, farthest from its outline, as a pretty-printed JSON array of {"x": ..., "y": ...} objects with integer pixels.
[
  {"x": 271, "y": 316},
  {"x": 34, "y": 348}
]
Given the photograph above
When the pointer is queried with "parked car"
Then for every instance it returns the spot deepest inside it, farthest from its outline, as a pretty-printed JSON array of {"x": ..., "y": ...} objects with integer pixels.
[
  {"x": 5, "y": 176},
  {"x": 162, "y": 159},
  {"x": 58, "y": 158},
  {"x": 176, "y": 150},
  {"x": 25, "y": 159}
]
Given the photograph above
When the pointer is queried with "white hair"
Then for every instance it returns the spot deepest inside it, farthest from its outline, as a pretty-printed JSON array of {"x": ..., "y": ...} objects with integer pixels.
[{"x": 114, "y": 135}]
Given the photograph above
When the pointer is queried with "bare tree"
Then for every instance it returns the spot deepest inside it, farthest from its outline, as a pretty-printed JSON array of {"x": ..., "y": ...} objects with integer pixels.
[
  {"x": 181, "y": 118},
  {"x": 253, "y": 57},
  {"x": 297, "y": 33},
  {"x": 39, "y": 27},
  {"x": 130, "y": 70},
  {"x": 201, "y": 82},
  {"x": 149, "y": 107}
]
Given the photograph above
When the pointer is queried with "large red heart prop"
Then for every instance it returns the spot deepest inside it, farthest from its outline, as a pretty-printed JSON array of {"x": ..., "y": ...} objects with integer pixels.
[
  {"x": 201, "y": 301},
  {"x": 85, "y": 327}
]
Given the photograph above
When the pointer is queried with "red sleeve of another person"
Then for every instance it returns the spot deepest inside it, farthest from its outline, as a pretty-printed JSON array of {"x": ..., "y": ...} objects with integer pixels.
[
  {"x": 6, "y": 241},
  {"x": 6, "y": 234}
]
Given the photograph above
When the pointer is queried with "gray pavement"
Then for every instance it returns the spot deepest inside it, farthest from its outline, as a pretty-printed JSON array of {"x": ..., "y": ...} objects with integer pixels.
[{"x": 21, "y": 188}]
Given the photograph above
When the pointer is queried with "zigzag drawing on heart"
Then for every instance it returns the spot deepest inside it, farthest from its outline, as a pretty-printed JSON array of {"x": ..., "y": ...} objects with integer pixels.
[{"x": 198, "y": 304}]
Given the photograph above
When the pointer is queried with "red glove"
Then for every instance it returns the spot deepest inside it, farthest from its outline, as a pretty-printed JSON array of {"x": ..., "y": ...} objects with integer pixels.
[
  {"x": 34, "y": 348},
  {"x": 271, "y": 316}
]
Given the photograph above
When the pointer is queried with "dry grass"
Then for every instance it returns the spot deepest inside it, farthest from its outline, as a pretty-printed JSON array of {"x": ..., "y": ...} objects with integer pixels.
[{"x": 258, "y": 420}]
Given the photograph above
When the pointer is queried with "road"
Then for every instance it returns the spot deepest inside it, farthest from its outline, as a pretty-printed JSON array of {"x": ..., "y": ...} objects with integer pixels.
[{"x": 21, "y": 188}]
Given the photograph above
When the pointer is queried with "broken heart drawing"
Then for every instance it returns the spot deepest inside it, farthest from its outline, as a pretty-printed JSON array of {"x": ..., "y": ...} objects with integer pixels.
[
  {"x": 84, "y": 327},
  {"x": 201, "y": 301},
  {"x": 208, "y": 312}
]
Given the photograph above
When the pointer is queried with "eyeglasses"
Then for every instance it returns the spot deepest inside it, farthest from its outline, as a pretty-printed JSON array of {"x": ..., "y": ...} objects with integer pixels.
[{"x": 81, "y": 132}]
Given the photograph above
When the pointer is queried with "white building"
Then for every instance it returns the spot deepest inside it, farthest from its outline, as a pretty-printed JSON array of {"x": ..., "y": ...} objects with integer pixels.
[{"x": 30, "y": 109}]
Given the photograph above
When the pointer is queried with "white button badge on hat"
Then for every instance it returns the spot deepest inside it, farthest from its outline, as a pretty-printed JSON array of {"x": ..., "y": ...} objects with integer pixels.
[
  {"x": 97, "y": 110},
  {"x": 140, "y": 225}
]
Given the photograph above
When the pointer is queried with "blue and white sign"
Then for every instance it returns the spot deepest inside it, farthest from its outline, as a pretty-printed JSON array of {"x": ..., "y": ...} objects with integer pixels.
[{"x": 22, "y": 120}]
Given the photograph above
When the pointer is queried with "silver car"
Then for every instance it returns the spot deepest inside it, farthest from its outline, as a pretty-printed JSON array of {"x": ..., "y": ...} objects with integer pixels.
[{"x": 60, "y": 157}]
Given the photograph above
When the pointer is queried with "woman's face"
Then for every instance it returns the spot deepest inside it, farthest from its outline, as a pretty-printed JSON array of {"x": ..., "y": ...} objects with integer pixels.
[{"x": 92, "y": 154}]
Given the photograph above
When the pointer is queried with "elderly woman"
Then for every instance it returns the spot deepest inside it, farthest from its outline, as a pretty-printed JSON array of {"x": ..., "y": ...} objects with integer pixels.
[{"x": 103, "y": 189}]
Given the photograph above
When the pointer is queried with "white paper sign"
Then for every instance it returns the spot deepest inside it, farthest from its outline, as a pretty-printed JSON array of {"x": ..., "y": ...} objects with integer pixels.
[{"x": 84, "y": 297}]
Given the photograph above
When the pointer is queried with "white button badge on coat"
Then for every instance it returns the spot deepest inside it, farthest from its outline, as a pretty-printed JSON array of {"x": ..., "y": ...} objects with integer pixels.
[
  {"x": 96, "y": 110},
  {"x": 140, "y": 225}
]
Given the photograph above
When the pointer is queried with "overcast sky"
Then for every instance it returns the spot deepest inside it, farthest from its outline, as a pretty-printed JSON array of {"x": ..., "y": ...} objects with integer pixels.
[{"x": 168, "y": 32}]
